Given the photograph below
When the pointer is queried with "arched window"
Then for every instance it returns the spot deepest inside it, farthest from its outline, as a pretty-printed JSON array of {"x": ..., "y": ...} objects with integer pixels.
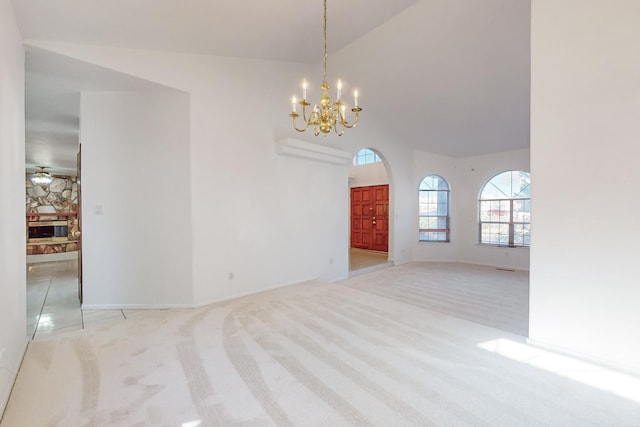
[
  {"x": 433, "y": 201},
  {"x": 366, "y": 156},
  {"x": 505, "y": 209}
]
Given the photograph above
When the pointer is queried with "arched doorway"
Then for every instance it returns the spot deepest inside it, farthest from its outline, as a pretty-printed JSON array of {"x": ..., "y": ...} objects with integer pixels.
[{"x": 369, "y": 211}]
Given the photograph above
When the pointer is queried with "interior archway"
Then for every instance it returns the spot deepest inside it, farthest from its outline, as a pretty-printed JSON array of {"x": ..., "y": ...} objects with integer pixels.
[{"x": 369, "y": 211}]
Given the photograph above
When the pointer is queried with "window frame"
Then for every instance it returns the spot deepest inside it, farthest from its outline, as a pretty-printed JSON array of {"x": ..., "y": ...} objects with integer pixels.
[
  {"x": 512, "y": 224},
  {"x": 446, "y": 217},
  {"x": 368, "y": 153}
]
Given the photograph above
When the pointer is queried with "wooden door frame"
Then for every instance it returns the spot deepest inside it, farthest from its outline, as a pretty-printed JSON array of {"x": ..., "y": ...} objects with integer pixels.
[{"x": 78, "y": 184}]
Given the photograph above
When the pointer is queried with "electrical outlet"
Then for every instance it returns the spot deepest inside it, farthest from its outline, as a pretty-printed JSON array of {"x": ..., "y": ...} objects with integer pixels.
[{"x": 230, "y": 276}]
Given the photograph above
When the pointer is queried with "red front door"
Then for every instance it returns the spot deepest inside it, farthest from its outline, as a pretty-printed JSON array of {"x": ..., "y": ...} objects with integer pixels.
[
  {"x": 380, "y": 220},
  {"x": 360, "y": 218},
  {"x": 370, "y": 218}
]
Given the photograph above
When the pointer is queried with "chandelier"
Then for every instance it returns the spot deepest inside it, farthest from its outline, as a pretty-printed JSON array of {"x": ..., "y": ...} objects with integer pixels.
[
  {"x": 325, "y": 117},
  {"x": 41, "y": 177}
]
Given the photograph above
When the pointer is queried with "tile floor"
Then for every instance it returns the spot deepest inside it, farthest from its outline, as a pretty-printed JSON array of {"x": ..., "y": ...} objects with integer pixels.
[
  {"x": 53, "y": 306},
  {"x": 360, "y": 259}
]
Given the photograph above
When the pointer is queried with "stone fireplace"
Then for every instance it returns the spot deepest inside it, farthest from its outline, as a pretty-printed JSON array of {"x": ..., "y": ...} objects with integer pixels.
[{"x": 52, "y": 224}]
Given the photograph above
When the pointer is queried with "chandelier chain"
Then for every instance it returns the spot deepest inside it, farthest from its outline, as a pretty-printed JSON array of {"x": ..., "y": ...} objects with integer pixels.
[{"x": 325, "y": 41}]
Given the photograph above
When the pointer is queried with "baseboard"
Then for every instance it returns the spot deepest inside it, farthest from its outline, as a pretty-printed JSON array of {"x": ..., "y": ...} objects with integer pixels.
[
  {"x": 244, "y": 294},
  {"x": 134, "y": 306},
  {"x": 438, "y": 260},
  {"x": 6, "y": 394},
  {"x": 194, "y": 305},
  {"x": 505, "y": 267},
  {"x": 458, "y": 261},
  {"x": 605, "y": 363}
]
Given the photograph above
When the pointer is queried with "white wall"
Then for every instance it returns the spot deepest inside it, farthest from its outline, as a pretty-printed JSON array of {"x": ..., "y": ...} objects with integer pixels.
[
  {"x": 135, "y": 169},
  {"x": 585, "y": 290},
  {"x": 466, "y": 177},
  {"x": 233, "y": 158},
  {"x": 268, "y": 219},
  {"x": 368, "y": 175},
  {"x": 13, "y": 334}
]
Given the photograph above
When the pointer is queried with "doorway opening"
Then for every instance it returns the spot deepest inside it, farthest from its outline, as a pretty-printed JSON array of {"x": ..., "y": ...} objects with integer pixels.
[
  {"x": 369, "y": 212},
  {"x": 53, "y": 247}
]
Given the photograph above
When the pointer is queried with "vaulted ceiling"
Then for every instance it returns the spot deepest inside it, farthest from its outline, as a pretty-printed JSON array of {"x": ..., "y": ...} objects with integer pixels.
[{"x": 450, "y": 76}]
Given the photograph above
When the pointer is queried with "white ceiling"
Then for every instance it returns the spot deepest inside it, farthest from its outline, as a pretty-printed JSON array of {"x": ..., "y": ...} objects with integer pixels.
[
  {"x": 254, "y": 28},
  {"x": 450, "y": 76}
]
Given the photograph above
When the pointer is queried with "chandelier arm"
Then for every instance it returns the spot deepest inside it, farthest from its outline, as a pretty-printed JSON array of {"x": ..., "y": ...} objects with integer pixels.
[
  {"x": 295, "y": 117},
  {"x": 355, "y": 122},
  {"x": 300, "y": 130}
]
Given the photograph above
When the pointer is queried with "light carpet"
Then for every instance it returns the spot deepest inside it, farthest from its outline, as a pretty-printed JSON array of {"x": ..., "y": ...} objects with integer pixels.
[
  {"x": 314, "y": 354},
  {"x": 487, "y": 295}
]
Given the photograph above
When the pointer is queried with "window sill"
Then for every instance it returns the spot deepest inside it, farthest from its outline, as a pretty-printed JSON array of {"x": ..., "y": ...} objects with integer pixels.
[{"x": 490, "y": 245}]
